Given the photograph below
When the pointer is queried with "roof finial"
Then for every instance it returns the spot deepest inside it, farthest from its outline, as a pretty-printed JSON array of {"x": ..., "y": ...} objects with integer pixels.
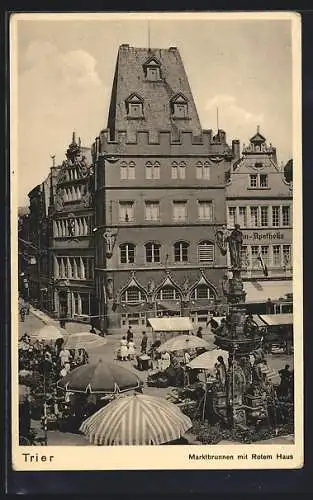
[
  {"x": 74, "y": 138},
  {"x": 217, "y": 124},
  {"x": 52, "y": 156},
  {"x": 258, "y": 129}
]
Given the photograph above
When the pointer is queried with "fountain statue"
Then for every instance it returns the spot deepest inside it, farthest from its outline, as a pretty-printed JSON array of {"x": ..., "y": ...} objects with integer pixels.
[{"x": 243, "y": 400}]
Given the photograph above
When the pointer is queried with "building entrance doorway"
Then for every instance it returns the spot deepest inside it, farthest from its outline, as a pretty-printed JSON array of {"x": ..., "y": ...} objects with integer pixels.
[{"x": 63, "y": 310}]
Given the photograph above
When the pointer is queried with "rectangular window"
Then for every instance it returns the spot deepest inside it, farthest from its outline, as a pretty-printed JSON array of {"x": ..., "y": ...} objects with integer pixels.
[
  {"x": 179, "y": 210},
  {"x": 126, "y": 211},
  {"x": 152, "y": 210},
  {"x": 263, "y": 181},
  {"x": 205, "y": 210},
  {"x": 264, "y": 253},
  {"x": 264, "y": 216},
  {"x": 231, "y": 216},
  {"x": 244, "y": 257},
  {"x": 275, "y": 216},
  {"x": 127, "y": 254},
  {"x": 254, "y": 256},
  {"x": 287, "y": 255},
  {"x": 276, "y": 255},
  {"x": 254, "y": 216},
  {"x": 286, "y": 215},
  {"x": 205, "y": 252},
  {"x": 152, "y": 252},
  {"x": 253, "y": 180},
  {"x": 242, "y": 220}
]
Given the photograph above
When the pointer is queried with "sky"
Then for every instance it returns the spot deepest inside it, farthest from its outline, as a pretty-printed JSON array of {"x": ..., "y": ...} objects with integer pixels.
[{"x": 65, "y": 71}]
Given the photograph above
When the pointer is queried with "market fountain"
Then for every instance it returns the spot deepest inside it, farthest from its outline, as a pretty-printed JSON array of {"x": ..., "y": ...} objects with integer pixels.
[{"x": 242, "y": 399}]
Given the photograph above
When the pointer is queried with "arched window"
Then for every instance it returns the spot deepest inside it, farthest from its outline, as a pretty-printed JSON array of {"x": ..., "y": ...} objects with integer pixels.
[
  {"x": 127, "y": 253},
  {"x": 168, "y": 292},
  {"x": 203, "y": 291},
  {"x": 148, "y": 170},
  {"x": 206, "y": 170},
  {"x": 205, "y": 251},
  {"x": 174, "y": 170},
  {"x": 152, "y": 252},
  {"x": 182, "y": 170},
  {"x": 199, "y": 170},
  {"x": 181, "y": 251},
  {"x": 131, "y": 170},
  {"x": 132, "y": 295}
]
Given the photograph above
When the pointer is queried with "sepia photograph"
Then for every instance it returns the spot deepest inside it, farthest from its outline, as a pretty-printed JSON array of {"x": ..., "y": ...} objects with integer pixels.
[{"x": 156, "y": 240}]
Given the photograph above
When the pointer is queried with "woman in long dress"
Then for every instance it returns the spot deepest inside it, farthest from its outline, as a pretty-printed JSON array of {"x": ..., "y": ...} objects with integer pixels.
[
  {"x": 131, "y": 350},
  {"x": 123, "y": 349}
]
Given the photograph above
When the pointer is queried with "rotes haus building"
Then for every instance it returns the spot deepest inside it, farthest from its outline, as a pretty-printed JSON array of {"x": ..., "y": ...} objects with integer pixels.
[{"x": 160, "y": 195}]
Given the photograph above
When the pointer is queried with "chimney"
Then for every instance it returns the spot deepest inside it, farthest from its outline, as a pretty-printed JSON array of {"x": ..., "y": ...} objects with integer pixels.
[{"x": 236, "y": 149}]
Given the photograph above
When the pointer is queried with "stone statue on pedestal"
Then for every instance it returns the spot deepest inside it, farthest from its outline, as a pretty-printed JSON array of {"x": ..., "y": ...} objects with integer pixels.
[{"x": 235, "y": 240}]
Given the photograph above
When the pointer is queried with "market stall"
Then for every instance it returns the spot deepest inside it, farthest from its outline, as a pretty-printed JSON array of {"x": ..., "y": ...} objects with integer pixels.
[{"x": 164, "y": 329}]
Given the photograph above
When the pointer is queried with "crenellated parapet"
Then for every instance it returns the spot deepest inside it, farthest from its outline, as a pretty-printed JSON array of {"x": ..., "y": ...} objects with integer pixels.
[{"x": 165, "y": 142}]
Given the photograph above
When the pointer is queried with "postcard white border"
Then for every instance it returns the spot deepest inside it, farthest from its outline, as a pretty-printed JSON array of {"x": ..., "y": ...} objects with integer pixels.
[{"x": 168, "y": 457}]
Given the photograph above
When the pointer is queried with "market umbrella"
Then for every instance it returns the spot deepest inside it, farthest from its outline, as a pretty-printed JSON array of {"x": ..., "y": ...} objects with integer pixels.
[
  {"x": 49, "y": 333},
  {"x": 207, "y": 360},
  {"x": 183, "y": 343},
  {"x": 101, "y": 378},
  {"x": 270, "y": 373},
  {"x": 136, "y": 420},
  {"x": 84, "y": 340}
]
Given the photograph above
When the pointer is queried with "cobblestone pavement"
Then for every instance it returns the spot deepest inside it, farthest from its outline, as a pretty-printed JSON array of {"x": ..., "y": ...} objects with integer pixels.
[{"x": 37, "y": 319}]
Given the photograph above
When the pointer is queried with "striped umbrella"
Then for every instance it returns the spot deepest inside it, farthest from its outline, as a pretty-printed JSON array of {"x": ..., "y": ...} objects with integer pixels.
[
  {"x": 101, "y": 378},
  {"x": 269, "y": 372},
  {"x": 136, "y": 420},
  {"x": 183, "y": 343},
  {"x": 84, "y": 340}
]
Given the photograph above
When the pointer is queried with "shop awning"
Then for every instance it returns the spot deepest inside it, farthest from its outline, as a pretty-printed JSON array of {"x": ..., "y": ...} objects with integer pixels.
[
  {"x": 261, "y": 291},
  {"x": 277, "y": 319},
  {"x": 181, "y": 324}
]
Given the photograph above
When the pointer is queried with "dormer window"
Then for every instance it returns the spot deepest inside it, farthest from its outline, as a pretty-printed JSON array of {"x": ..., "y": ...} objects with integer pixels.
[
  {"x": 152, "y": 69},
  {"x": 179, "y": 107},
  {"x": 134, "y": 106}
]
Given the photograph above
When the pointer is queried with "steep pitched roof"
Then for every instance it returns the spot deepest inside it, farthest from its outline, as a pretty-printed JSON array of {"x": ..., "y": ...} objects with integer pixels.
[{"x": 130, "y": 78}]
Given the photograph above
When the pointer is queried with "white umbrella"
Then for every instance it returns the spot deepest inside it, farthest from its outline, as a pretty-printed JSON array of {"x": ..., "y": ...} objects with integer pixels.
[
  {"x": 49, "y": 333},
  {"x": 183, "y": 343},
  {"x": 207, "y": 360},
  {"x": 84, "y": 340},
  {"x": 136, "y": 420}
]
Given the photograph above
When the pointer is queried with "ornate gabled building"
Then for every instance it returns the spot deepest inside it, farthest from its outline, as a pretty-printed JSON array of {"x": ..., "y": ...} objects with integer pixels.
[
  {"x": 259, "y": 199},
  {"x": 72, "y": 249},
  {"x": 160, "y": 195}
]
